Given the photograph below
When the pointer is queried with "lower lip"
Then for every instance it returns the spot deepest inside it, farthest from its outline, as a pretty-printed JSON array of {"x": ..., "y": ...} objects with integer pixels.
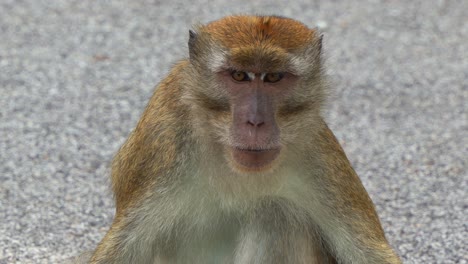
[{"x": 254, "y": 160}]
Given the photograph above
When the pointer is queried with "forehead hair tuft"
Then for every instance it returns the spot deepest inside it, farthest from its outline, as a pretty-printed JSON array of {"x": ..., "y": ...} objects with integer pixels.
[
  {"x": 236, "y": 31},
  {"x": 258, "y": 43}
]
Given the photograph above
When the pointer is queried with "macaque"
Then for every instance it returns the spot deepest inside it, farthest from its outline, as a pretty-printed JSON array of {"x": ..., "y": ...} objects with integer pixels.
[{"x": 231, "y": 161}]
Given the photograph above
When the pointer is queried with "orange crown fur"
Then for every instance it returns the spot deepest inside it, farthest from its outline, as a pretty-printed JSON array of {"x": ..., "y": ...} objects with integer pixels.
[
  {"x": 258, "y": 43},
  {"x": 239, "y": 31}
]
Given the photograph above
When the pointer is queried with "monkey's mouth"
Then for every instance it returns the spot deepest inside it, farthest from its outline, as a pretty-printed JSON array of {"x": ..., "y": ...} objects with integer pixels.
[{"x": 254, "y": 159}]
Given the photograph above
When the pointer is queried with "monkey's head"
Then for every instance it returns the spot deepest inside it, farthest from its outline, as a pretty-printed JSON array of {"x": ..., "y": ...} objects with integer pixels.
[{"x": 255, "y": 87}]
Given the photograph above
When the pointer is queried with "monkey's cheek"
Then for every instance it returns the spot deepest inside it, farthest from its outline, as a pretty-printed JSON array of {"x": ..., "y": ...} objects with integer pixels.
[{"x": 254, "y": 161}]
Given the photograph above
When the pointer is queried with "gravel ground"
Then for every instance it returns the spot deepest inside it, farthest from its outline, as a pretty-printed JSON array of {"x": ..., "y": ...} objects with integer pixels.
[{"x": 76, "y": 75}]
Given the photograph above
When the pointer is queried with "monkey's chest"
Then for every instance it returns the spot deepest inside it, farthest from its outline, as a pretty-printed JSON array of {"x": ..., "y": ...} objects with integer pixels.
[{"x": 210, "y": 244}]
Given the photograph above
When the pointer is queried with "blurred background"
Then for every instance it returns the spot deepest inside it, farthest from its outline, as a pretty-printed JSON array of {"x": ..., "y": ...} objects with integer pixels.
[{"x": 75, "y": 75}]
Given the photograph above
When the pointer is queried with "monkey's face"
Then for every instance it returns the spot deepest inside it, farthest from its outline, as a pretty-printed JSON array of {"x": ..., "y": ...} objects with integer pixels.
[
  {"x": 250, "y": 83},
  {"x": 253, "y": 139},
  {"x": 255, "y": 117}
]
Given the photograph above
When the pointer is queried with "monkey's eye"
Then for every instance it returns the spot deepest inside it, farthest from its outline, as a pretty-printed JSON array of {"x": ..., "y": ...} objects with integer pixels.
[
  {"x": 273, "y": 77},
  {"x": 240, "y": 76}
]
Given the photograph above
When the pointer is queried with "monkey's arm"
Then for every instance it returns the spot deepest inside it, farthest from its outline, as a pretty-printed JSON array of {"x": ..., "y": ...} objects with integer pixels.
[
  {"x": 143, "y": 173},
  {"x": 352, "y": 228},
  {"x": 137, "y": 225}
]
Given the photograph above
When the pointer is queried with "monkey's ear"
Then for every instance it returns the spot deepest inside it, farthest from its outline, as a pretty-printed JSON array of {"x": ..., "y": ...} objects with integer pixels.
[
  {"x": 192, "y": 38},
  {"x": 191, "y": 43},
  {"x": 319, "y": 44}
]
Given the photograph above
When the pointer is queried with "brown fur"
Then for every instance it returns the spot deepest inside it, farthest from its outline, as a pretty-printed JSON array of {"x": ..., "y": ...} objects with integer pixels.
[
  {"x": 240, "y": 31},
  {"x": 179, "y": 200}
]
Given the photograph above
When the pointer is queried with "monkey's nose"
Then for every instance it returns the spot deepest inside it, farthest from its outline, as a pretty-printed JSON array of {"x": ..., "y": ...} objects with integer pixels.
[{"x": 255, "y": 122}]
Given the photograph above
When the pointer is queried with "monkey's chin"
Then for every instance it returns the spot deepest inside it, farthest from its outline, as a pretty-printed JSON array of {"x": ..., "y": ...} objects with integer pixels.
[{"x": 247, "y": 160}]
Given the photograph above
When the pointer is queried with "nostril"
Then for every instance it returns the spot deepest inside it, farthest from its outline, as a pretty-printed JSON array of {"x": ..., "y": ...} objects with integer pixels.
[{"x": 255, "y": 123}]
